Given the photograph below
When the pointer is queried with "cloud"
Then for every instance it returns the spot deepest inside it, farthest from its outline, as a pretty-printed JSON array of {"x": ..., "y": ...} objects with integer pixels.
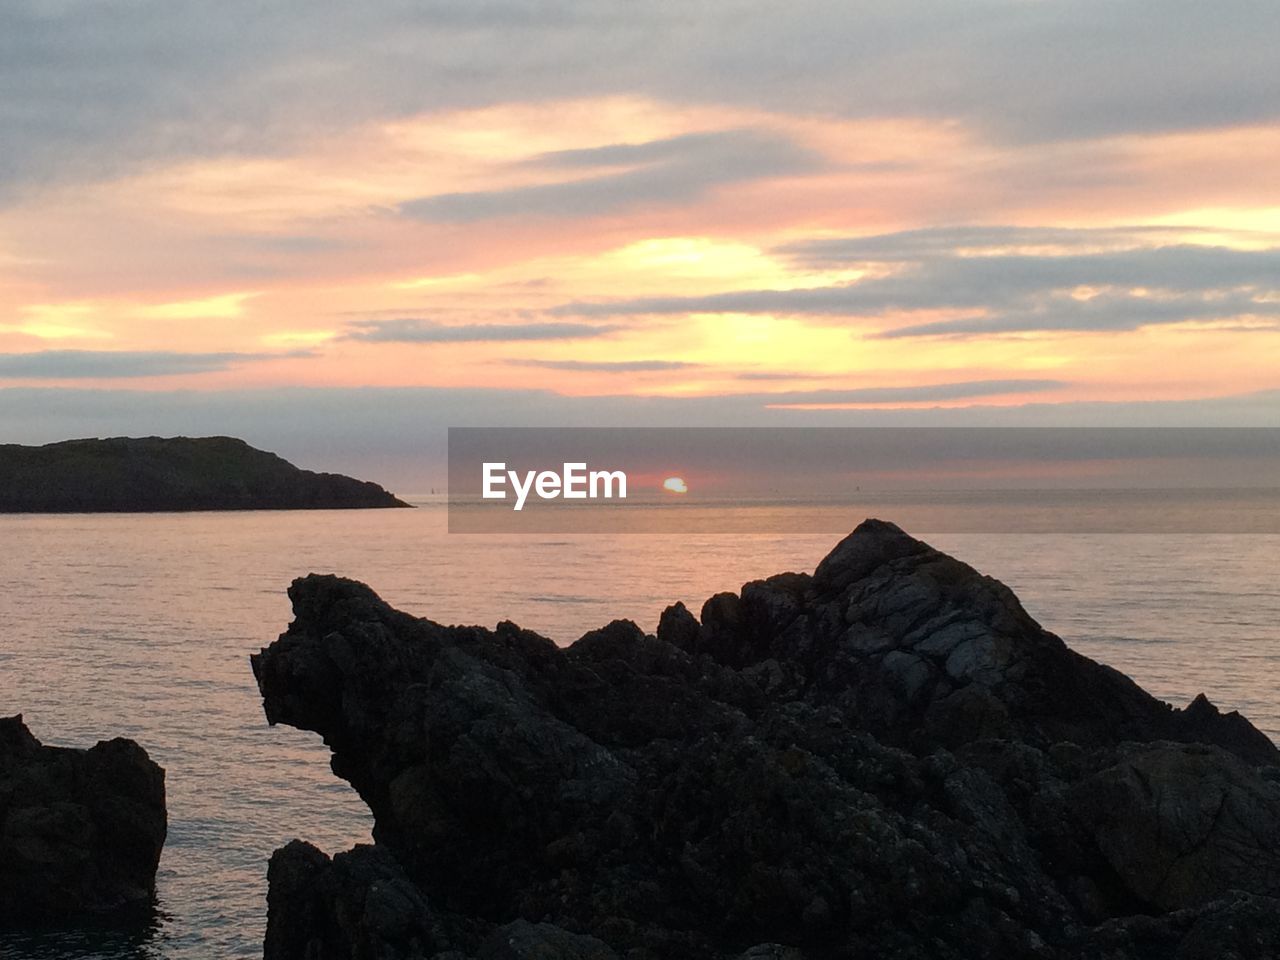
[
  {"x": 761, "y": 375},
  {"x": 668, "y": 150},
  {"x": 608, "y": 366},
  {"x": 408, "y": 330},
  {"x": 118, "y": 364},
  {"x": 1102, "y": 313},
  {"x": 1105, "y": 279},
  {"x": 674, "y": 170},
  {"x": 927, "y": 393},
  {"x": 87, "y": 88},
  {"x": 908, "y": 245}
]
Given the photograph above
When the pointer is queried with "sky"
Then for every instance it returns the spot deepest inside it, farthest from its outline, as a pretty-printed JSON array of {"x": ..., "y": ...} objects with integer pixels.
[{"x": 335, "y": 229}]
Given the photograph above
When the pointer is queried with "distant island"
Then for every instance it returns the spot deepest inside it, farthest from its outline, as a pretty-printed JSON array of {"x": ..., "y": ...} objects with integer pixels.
[{"x": 152, "y": 474}]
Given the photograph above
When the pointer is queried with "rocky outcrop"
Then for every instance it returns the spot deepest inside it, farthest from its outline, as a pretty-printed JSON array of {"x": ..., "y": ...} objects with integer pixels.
[
  {"x": 128, "y": 474},
  {"x": 80, "y": 830},
  {"x": 1180, "y": 825},
  {"x": 887, "y": 758},
  {"x": 359, "y": 904}
]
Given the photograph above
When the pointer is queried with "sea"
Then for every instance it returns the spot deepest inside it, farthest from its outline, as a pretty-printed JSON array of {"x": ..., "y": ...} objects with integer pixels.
[{"x": 142, "y": 625}]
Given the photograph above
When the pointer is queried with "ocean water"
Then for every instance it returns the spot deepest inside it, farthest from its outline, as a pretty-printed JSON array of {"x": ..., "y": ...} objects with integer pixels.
[{"x": 142, "y": 625}]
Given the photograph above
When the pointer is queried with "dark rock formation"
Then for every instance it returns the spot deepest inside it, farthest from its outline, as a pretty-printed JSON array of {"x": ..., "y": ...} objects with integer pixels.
[
  {"x": 887, "y": 758},
  {"x": 359, "y": 904},
  {"x": 179, "y": 473},
  {"x": 80, "y": 830}
]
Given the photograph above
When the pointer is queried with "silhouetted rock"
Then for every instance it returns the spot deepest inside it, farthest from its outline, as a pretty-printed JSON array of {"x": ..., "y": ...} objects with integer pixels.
[
  {"x": 1181, "y": 823},
  {"x": 522, "y": 940},
  {"x": 357, "y": 905},
  {"x": 80, "y": 830},
  {"x": 125, "y": 474},
  {"x": 888, "y": 758}
]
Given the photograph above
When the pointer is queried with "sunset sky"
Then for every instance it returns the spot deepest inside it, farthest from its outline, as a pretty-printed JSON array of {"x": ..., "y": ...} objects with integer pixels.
[{"x": 328, "y": 227}]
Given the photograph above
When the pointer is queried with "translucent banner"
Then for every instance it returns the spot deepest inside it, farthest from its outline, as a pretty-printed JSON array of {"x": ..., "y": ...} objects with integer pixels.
[{"x": 815, "y": 480}]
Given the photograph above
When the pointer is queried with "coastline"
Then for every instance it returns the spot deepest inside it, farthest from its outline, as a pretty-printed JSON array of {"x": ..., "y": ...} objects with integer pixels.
[{"x": 149, "y": 617}]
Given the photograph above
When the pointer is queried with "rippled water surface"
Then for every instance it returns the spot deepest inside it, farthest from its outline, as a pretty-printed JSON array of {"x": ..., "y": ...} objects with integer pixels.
[{"x": 141, "y": 626}]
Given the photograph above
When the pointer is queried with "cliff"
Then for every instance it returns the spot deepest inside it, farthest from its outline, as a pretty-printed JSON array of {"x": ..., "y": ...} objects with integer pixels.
[
  {"x": 886, "y": 758},
  {"x": 125, "y": 474},
  {"x": 81, "y": 831}
]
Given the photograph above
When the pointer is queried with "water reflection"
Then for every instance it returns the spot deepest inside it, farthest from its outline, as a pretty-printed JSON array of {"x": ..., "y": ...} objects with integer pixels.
[
  {"x": 142, "y": 626},
  {"x": 137, "y": 938}
]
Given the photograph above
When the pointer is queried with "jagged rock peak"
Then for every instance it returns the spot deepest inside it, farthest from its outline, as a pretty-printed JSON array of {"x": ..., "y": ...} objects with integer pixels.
[{"x": 872, "y": 544}]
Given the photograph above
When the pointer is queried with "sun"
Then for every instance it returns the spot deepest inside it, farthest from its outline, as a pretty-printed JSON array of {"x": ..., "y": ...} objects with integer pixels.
[{"x": 675, "y": 485}]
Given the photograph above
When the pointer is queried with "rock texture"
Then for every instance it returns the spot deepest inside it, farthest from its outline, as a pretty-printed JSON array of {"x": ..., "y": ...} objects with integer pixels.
[
  {"x": 80, "y": 830},
  {"x": 887, "y": 758},
  {"x": 126, "y": 474}
]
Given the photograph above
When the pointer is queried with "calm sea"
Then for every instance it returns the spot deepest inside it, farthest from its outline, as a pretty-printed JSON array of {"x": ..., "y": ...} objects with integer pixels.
[{"x": 141, "y": 626}]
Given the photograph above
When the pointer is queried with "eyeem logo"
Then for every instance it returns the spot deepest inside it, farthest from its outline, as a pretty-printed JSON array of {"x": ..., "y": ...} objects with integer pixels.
[{"x": 573, "y": 482}]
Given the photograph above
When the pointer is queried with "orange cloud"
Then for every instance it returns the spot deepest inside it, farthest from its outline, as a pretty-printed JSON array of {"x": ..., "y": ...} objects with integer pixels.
[{"x": 246, "y": 254}]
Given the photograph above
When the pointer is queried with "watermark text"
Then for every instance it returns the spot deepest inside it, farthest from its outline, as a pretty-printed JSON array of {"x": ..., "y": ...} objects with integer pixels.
[{"x": 573, "y": 482}]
